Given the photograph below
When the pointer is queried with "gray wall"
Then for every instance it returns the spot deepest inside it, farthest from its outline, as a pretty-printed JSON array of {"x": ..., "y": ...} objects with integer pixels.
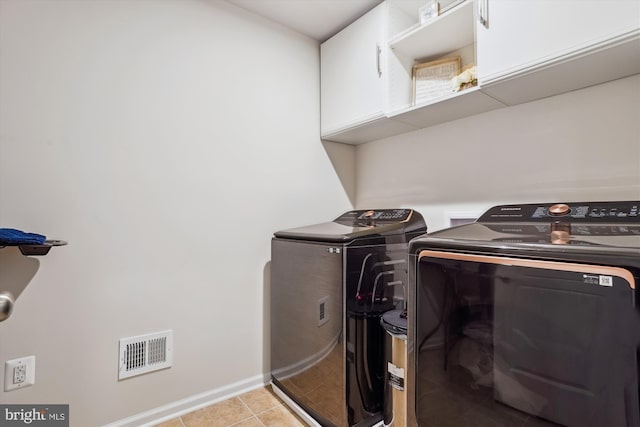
[
  {"x": 166, "y": 141},
  {"x": 582, "y": 145}
]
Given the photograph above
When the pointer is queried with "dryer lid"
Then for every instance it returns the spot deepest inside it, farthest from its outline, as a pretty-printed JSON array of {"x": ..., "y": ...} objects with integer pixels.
[{"x": 565, "y": 226}]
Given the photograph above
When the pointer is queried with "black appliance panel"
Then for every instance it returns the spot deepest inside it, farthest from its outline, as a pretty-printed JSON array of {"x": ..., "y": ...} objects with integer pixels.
[
  {"x": 622, "y": 212},
  {"x": 528, "y": 317},
  {"x": 330, "y": 285},
  {"x": 376, "y": 280},
  {"x": 307, "y": 340},
  {"x": 505, "y": 344}
]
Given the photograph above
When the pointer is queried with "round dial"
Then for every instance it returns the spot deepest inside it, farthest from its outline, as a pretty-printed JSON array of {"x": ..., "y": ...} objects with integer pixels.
[{"x": 559, "y": 209}]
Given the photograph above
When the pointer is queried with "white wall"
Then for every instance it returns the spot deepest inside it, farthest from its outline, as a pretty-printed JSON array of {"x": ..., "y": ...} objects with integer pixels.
[
  {"x": 166, "y": 141},
  {"x": 579, "y": 146}
]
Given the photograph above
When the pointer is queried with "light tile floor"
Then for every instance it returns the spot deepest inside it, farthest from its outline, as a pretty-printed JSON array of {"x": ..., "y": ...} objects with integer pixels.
[{"x": 257, "y": 408}]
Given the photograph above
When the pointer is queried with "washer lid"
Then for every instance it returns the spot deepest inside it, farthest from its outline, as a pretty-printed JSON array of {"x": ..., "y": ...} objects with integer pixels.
[{"x": 358, "y": 224}]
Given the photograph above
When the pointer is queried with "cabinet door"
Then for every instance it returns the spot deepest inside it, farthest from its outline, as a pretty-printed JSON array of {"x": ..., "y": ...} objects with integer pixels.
[
  {"x": 352, "y": 75},
  {"x": 525, "y": 33}
]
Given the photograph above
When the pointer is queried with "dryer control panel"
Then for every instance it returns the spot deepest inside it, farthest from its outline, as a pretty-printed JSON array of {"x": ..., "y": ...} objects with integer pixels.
[{"x": 592, "y": 212}]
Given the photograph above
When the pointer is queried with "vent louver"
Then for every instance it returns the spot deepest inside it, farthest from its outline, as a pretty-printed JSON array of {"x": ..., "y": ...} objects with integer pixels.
[
  {"x": 323, "y": 313},
  {"x": 145, "y": 353}
]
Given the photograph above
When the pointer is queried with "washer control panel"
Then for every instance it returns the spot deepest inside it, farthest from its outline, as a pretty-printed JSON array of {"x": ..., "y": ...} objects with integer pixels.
[
  {"x": 373, "y": 216},
  {"x": 599, "y": 212}
]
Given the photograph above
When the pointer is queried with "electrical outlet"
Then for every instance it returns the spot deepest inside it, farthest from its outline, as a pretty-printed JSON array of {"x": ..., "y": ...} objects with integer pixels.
[{"x": 19, "y": 373}]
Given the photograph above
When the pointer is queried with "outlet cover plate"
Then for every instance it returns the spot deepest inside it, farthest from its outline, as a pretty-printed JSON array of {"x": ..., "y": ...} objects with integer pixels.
[{"x": 19, "y": 373}]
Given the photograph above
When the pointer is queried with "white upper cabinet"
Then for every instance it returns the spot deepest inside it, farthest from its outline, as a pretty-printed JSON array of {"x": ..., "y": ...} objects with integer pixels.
[
  {"x": 366, "y": 71},
  {"x": 536, "y": 48},
  {"x": 352, "y": 71},
  {"x": 449, "y": 35},
  {"x": 355, "y": 76},
  {"x": 523, "y": 50}
]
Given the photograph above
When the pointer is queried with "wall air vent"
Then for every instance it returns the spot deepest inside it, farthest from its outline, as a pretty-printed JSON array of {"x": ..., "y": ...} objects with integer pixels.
[{"x": 145, "y": 353}]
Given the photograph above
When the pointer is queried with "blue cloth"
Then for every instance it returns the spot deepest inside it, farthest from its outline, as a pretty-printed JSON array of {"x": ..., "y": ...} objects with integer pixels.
[{"x": 11, "y": 236}]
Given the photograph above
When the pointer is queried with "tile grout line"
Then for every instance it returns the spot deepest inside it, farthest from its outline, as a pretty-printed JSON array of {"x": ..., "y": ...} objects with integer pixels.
[
  {"x": 277, "y": 404},
  {"x": 241, "y": 421},
  {"x": 257, "y": 414},
  {"x": 246, "y": 406},
  {"x": 254, "y": 415}
]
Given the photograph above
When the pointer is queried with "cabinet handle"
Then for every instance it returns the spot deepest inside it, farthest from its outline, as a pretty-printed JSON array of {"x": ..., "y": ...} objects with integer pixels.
[
  {"x": 483, "y": 16},
  {"x": 378, "y": 52}
]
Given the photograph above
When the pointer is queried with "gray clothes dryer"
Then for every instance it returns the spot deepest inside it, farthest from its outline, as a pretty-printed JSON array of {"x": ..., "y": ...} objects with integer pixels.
[{"x": 330, "y": 285}]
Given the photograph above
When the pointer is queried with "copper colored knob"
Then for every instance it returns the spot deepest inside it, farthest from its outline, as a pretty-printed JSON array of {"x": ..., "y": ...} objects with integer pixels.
[
  {"x": 559, "y": 209},
  {"x": 560, "y": 237}
]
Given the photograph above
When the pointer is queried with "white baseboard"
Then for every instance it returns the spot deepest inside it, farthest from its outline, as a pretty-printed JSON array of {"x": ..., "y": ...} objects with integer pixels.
[{"x": 193, "y": 403}]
